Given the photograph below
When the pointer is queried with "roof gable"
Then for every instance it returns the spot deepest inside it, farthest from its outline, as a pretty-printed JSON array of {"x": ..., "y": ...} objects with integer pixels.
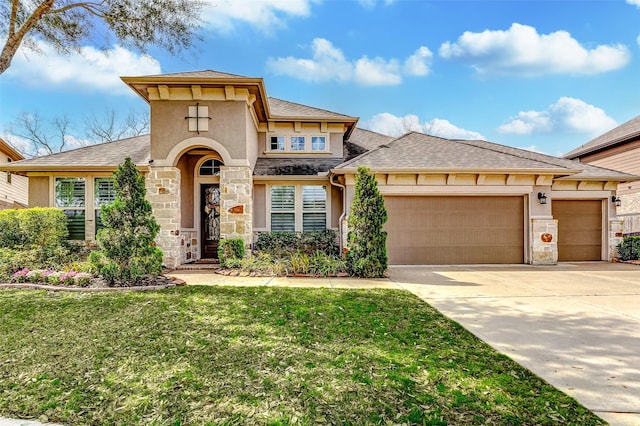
[{"x": 10, "y": 151}]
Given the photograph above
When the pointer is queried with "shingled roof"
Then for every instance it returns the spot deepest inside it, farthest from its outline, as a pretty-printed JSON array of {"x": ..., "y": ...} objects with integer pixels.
[
  {"x": 100, "y": 156},
  {"x": 282, "y": 108},
  {"x": 417, "y": 151},
  {"x": 624, "y": 133},
  {"x": 196, "y": 74}
]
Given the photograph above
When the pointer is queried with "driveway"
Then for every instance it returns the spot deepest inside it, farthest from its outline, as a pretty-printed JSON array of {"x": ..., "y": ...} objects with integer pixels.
[{"x": 577, "y": 325}]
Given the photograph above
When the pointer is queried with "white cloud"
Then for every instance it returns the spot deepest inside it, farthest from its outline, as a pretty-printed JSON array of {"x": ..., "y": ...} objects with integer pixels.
[
  {"x": 521, "y": 51},
  {"x": 634, "y": 2},
  {"x": 418, "y": 63},
  {"x": 370, "y": 4},
  {"x": 392, "y": 125},
  {"x": 22, "y": 145},
  {"x": 567, "y": 115},
  {"x": 329, "y": 63},
  {"x": 638, "y": 39},
  {"x": 377, "y": 72},
  {"x": 92, "y": 69},
  {"x": 265, "y": 15}
]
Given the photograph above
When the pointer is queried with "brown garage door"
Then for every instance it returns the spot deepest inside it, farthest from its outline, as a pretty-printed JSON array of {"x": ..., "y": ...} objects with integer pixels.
[
  {"x": 454, "y": 230},
  {"x": 579, "y": 229}
]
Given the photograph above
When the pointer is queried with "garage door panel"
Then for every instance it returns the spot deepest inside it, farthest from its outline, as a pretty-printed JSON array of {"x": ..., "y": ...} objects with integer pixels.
[
  {"x": 455, "y": 230},
  {"x": 579, "y": 229}
]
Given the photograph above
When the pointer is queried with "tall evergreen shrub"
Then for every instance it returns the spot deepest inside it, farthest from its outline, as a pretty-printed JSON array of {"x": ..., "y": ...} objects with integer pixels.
[
  {"x": 367, "y": 254},
  {"x": 127, "y": 250}
]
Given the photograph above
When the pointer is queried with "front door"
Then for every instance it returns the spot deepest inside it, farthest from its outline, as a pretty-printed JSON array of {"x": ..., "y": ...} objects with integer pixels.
[{"x": 210, "y": 223}]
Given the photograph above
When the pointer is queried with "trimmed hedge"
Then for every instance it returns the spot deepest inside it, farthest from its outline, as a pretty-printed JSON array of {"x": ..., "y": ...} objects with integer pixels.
[
  {"x": 36, "y": 227},
  {"x": 285, "y": 244},
  {"x": 629, "y": 248}
]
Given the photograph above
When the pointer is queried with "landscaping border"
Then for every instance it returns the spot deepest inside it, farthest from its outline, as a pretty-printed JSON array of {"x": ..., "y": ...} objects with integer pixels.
[{"x": 32, "y": 286}]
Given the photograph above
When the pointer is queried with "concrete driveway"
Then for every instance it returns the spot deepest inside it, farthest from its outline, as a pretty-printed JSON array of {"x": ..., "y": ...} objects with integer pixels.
[{"x": 577, "y": 325}]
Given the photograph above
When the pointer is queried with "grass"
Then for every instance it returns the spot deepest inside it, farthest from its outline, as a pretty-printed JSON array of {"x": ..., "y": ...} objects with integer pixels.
[{"x": 272, "y": 356}]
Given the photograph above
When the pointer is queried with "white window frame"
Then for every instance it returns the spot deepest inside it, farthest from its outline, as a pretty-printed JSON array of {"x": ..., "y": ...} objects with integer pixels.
[
  {"x": 288, "y": 144},
  {"x": 284, "y": 143},
  {"x": 298, "y": 203}
]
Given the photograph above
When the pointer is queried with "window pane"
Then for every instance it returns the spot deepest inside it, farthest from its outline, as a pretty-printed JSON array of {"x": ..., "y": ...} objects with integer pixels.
[
  {"x": 283, "y": 222},
  {"x": 105, "y": 192},
  {"x": 314, "y": 197},
  {"x": 75, "y": 224},
  {"x": 297, "y": 143},
  {"x": 314, "y": 222},
  {"x": 69, "y": 192},
  {"x": 277, "y": 143},
  {"x": 283, "y": 197},
  {"x": 318, "y": 143},
  {"x": 210, "y": 168}
]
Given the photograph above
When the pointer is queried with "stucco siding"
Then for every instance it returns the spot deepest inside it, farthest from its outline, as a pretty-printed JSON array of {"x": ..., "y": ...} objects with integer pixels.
[
  {"x": 39, "y": 191},
  {"x": 227, "y": 126},
  {"x": 259, "y": 207}
]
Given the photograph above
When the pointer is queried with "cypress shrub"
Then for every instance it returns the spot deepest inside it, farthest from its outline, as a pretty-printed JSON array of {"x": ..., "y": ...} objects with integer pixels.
[{"x": 367, "y": 250}]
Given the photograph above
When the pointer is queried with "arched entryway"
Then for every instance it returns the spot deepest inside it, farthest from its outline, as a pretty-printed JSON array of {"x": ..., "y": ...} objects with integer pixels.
[{"x": 208, "y": 178}]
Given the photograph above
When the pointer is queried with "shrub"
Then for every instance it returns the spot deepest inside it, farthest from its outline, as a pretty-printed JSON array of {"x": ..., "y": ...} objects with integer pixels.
[
  {"x": 367, "y": 254},
  {"x": 629, "y": 248},
  {"x": 230, "y": 251},
  {"x": 285, "y": 244},
  {"x": 36, "y": 227},
  {"x": 127, "y": 251}
]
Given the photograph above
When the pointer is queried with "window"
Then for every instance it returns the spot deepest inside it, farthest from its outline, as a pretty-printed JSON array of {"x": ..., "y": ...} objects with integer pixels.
[
  {"x": 70, "y": 196},
  {"x": 277, "y": 143},
  {"x": 283, "y": 216},
  {"x": 298, "y": 208},
  {"x": 297, "y": 143},
  {"x": 104, "y": 193},
  {"x": 314, "y": 208},
  {"x": 9, "y": 178},
  {"x": 318, "y": 143},
  {"x": 211, "y": 168}
]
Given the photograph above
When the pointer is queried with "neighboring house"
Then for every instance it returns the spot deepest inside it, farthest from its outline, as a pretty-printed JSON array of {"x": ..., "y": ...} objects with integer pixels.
[
  {"x": 618, "y": 149},
  {"x": 13, "y": 188},
  {"x": 223, "y": 160}
]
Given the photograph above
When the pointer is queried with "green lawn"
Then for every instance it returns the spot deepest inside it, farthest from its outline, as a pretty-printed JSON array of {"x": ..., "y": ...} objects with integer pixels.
[{"x": 216, "y": 355}]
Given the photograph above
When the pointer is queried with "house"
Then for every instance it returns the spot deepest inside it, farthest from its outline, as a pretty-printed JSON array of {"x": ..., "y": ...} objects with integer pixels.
[
  {"x": 618, "y": 149},
  {"x": 224, "y": 160},
  {"x": 13, "y": 188}
]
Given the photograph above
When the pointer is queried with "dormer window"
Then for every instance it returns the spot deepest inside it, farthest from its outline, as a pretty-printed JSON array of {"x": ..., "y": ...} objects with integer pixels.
[
  {"x": 298, "y": 144},
  {"x": 277, "y": 143}
]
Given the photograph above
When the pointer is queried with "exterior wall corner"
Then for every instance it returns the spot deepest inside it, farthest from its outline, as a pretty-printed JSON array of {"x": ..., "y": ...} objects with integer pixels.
[
  {"x": 616, "y": 232},
  {"x": 544, "y": 241}
]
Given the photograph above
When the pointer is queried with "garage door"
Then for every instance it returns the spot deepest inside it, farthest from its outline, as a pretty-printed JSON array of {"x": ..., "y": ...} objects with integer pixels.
[
  {"x": 454, "y": 230},
  {"x": 579, "y": 229}
]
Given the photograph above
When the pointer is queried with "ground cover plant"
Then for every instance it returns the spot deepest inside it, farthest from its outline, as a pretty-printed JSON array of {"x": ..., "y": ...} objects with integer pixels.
[{"x": 215, "y": 355}]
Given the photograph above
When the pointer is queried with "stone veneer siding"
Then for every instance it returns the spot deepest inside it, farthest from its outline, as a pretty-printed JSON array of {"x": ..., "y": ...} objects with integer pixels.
[
  {"x": 236, "y": 203},
  {"x": 544, "y": 241},
  {"x": 163, "y": 192},
  {"x": 629, "y": 211},
  {"x": 616, "y": 227}
]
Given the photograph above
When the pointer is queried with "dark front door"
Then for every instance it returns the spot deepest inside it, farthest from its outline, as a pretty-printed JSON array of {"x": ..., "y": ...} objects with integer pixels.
[{"x": 210, "y": 224}]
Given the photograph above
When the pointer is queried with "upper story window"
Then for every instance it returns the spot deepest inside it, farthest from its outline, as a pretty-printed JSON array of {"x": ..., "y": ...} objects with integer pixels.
[
  {"x": 297, "y": 144},
  {"x": 277, "y": 143},
  {"x": 318, "y": 143},
  {"x": 211, "y": 168}
]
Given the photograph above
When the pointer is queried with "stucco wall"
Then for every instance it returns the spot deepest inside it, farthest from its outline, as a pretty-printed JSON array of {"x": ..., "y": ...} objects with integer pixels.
[
  {"x": 228, "y": 125},
  {"x": 39, "y": 191}
]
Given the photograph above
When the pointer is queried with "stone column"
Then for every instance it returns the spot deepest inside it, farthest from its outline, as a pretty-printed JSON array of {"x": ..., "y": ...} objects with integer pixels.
[
  {"x": 615, "y": 236},
  {"x": 236, "y": 203},
  {"x": 163, "y": 192},
  {"x": 544, "y": 241}
]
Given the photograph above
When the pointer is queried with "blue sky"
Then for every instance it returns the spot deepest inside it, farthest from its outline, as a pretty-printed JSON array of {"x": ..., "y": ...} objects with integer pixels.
[{"x": 542, "y": 75}]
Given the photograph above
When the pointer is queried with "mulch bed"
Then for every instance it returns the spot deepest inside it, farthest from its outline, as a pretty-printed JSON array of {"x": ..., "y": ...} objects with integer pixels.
[{"x": 98, "y": 284}]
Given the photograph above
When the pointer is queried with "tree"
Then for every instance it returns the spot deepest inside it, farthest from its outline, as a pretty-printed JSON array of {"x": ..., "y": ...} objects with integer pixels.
[
  {"x": 54, "y": 135},
  {"x": 127, "y": 249},
  {"x": 367, "y": 242},
  {"x": 170, "y": 24}
]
